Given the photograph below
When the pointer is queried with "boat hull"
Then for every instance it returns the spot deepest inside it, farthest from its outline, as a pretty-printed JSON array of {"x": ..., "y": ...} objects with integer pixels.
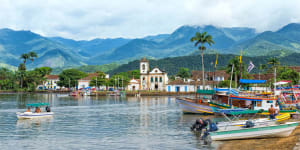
[
  {"x": 192, "y": 107},
  {"x": 34, "y": 115},
  {"x": 282, "y": 130}
]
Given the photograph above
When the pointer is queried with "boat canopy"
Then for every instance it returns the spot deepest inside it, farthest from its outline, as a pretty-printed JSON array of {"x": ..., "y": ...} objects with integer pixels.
[
  {"x": 249, "y": 81},
  {"x": 205, "y": 92},
  {"x": 246, "y": 98},
  {"x": 238, "y": 111},
  {"x": 37, "y": 104}
]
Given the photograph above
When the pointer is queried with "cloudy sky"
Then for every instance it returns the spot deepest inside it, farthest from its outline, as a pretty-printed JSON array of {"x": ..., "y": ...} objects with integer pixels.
[{"x": 88, "y": 19}]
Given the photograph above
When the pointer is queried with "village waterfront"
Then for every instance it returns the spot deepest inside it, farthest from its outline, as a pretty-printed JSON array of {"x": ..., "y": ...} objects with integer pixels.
[{"x": 100, "y": 122}]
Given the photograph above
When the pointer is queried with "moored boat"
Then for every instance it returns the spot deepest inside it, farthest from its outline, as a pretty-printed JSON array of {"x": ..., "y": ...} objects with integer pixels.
[
  {"x": 240, "y": 132},
  {"x": 192, "y": 106}
]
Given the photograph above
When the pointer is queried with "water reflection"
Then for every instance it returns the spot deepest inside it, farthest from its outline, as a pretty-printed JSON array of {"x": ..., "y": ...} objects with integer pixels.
[{"x": 98, "y": 123}]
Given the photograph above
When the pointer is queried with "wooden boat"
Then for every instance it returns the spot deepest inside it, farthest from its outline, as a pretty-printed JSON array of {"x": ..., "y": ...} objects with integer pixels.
[
  {"x": 75, "y": 93},
  {"x": 192, "y": 106},
  {"x": 31, "y": 115},
  {"x": 263, "y": 131}
]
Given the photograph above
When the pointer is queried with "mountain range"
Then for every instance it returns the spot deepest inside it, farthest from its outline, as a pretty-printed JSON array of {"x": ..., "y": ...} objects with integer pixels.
[{"x": 62, "y": 52}]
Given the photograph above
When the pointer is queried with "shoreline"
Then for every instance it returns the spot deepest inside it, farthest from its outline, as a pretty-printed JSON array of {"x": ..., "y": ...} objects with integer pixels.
[{"x": 104, "y": 93}]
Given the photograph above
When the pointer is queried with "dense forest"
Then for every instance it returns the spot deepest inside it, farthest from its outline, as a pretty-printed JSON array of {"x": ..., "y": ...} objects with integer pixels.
[{"x": 171, "y": 65}]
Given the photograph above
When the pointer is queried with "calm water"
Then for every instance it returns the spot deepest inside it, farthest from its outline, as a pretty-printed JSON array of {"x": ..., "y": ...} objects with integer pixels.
[{"x": 97, "y": 123}]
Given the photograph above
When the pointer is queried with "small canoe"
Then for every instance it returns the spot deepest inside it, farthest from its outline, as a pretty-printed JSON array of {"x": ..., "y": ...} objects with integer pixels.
[
  {"x": 31, "y": 115},
  {"x": 267, "y": 131},
  {"x": 190, "y": 106}
]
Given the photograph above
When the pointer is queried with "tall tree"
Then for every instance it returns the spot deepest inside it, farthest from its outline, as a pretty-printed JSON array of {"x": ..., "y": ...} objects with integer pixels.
[
  {"x": 236, "y": 69},
  {"x": 32, "y": 56},
  {"x": 202, "y": 39},
  {"x": 274, "y": 62},
  {"x": 183, "y": 73},
  {"x": 25, "y": 57},
  {"x": 70, "y": 77}
]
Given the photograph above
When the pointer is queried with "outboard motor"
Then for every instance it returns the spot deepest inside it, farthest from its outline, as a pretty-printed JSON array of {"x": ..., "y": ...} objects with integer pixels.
[{"x": 249, "y": 124}]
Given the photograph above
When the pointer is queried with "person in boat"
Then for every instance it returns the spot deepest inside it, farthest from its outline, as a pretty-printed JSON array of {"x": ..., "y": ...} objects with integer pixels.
[
  {"x": 272, "y": 112},
  {"x": 199, "y": 125},
  {"x": 48, "y": 109},
  {"x": 37, "y": 110},
  {"x": 28, "y": 109}
]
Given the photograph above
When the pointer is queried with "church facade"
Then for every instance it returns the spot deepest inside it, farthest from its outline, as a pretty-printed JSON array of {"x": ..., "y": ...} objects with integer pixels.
[{"x": 155, "y": 79}]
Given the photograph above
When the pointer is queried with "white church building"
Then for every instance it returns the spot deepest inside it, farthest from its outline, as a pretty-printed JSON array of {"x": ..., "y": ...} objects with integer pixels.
[{"x": 155, "y": 79}]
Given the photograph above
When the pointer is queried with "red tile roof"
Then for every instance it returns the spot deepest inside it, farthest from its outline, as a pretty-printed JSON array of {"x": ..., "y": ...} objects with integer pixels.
[
  {"x": 52, "y": 77},
  {"x": 90, "y": 76}
]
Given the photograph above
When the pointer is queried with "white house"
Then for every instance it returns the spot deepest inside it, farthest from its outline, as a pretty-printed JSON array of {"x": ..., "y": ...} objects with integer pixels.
[
  {"x": 156, "y": 79},
  {"x": 51, "y": 82},
  {"x": 85, "y": 82},
  {"x": 133, "y": 85}
]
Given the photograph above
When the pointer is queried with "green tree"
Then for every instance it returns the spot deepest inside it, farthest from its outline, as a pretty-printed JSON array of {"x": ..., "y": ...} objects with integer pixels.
[
  {"x": 32, "y": 55},
  {"x": 118, "y": 80},
  {"x": 100, "y": 80},
  {"x": 183, "y": 73},
  {"x": 25, "y": 57},
  {"x": 202, "y": 39},
  {"x": 44, "y": 70},
  {"x": 236, "y": 69},
  {"x": 286, "y": 73},
  {"x": 274, "y": 62},
  {"x": 70, "y": 77}
]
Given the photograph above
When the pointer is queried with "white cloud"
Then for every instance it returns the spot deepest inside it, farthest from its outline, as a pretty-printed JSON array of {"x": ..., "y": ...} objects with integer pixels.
[{"x": 137, "y": 18}]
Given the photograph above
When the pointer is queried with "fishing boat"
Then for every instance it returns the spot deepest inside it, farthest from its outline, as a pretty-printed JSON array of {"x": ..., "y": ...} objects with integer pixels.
[
  {"x": 31, "y": 115},
  {"x": 247, "y": 129},
  {"x": 262, "y": 131},
  {"x": 191, "y": 106}
]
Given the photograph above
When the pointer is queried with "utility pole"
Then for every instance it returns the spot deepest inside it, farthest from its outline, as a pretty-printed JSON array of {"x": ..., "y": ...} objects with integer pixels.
[
  {"x": 118, "y": 83},
  {"x": 96, "y": 83},
  {"x": 69, "y": 83},
  {"x": 122, "y": 84}
]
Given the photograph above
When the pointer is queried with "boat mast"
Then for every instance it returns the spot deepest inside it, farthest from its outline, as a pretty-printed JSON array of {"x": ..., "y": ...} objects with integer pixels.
[{"x": 230, "y": 84}]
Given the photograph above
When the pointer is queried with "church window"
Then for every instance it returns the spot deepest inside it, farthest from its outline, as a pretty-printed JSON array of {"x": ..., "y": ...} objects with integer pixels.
[
  {"x": 143, "y": 78},
  {"x": 156, "y": 80},
  {"x": 160, "y": 79},
  {"x": 155, "y": 70},
  {"x": 143, "y": 66},
  {"x": 151, "y": 79}
]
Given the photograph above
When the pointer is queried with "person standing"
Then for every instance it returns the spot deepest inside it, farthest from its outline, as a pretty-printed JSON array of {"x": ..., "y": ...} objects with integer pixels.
[{"x": 272, "y": 112}]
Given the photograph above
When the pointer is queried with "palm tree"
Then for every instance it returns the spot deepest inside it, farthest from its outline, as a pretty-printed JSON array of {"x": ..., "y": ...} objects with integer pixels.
[
  {"x": 273, "y": 61},
  {"x": 202, "y": 38},
  {"x": 32, "y": 56},
  {"x": 25, "y": 57}
]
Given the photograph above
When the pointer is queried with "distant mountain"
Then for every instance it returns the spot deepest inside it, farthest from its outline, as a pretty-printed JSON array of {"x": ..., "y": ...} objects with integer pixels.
[
  {"x": 92, "y": 47},
  {"x": 61, "y": 52},
  {"x": 176, "y": 44},
  {"x": 14, "y": 43},
  {"x": 286, "y": 39}
]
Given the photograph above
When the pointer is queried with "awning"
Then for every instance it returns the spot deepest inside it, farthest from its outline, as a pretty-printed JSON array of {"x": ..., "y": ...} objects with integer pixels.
[
  {"x": 248, "y": 81},
  {"x": 37, "y": 104},
  {"x": 282, "y": 82}
]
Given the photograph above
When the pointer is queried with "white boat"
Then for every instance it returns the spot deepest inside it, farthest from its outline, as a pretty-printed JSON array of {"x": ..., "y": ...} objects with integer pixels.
[
  {"x": 31, "y": 115},
  {"x": 37, "y": 114},
  {"x": 267, "y": 131}
]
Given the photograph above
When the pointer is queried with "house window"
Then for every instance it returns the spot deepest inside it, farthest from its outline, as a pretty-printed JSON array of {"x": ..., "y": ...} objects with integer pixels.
[
  {"x": 151, "y": 79},
  {"x": 160, "y": 79},
  {"x": 156, "y": 80}
]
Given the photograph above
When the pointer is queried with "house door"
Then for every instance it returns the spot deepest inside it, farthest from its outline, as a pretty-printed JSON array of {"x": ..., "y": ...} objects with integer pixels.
[{"x": 177, "y": 89}]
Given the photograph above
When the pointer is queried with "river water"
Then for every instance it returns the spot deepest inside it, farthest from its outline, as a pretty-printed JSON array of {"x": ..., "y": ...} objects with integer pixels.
[{"x": 97, "y": 123}]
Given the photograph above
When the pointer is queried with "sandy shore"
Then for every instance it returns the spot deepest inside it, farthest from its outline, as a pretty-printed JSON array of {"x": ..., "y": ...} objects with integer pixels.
[{"x": 264, "y": 144}]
